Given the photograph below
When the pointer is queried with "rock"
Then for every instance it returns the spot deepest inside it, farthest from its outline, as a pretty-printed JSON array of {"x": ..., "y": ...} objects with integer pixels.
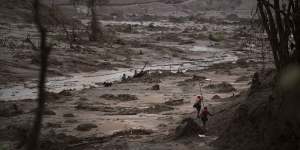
[
  {"x": 86, "y": 127},
  {"x": 121, "y": 97},
  {"x": 50, "y": 96},
  {"x": 158, "y": 108},
  {"x": 133, "y": 132},
  {"x": 184, "y": 42},
  {"x": 8, "y": 109},
  {"x": 189, "y": 127},
  {"x": 198, "y": 78},
  {"x": 242, "y": 63},
  {"x": 127, "y": 97},
  {"x": 223, "y": 87},
  {"x": 155, "y": 87},
  {"x": 233, "y": 17},
  {"x": 53, "y": 125},
  {"x": 175, "y": 102},
  {"x": 68, "y": 115},
  {"x": 49, "y": 112},
  {"x": 162, "y": 125},
  {"x": 108, "y": 96},
  {"x": 242, "y": 79},
  {"x": 216, "y": 97},
  {"x": 71, "y": 121},
  {"x": 86, "y": 106},
  {"x": 65, "y": 93},
  {"x": 193, "y": 79}
]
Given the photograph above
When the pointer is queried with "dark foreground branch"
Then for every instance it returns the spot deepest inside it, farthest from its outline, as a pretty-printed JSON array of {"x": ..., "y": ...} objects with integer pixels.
[{"x": 44, "y": 54}]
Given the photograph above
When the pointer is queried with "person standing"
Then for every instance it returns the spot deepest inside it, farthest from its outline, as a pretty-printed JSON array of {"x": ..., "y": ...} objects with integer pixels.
[
  {"x": 204, "y": 116},
  {"x": 198, "y": 104}
]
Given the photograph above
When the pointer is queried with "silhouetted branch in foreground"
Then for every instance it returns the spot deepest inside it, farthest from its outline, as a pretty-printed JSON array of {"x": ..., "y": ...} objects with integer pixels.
[
  {"x": 44, "y": 54},
  {"x": 281, "y": 20}
]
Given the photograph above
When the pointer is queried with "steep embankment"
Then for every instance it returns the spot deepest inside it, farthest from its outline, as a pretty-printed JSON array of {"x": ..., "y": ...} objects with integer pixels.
[{"x": 265, "y": 120}]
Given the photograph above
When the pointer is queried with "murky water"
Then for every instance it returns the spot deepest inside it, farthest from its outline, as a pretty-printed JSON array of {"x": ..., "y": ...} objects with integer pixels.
[{"x": 80, "y": 81}]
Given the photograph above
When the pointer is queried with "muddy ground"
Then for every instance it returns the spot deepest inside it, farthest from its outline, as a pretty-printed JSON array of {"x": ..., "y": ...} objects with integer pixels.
[
  {"x": 81, "y": 113},
  {"x": 131, "y": 114}
]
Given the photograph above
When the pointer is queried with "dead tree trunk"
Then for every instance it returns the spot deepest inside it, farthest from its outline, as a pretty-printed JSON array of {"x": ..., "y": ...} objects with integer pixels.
[
  {"x": 281, "y": 23},
  {"x": 297, "y": 35},
  {"x": 96, "y": 32},
  {"x": 44, "y": 54}
]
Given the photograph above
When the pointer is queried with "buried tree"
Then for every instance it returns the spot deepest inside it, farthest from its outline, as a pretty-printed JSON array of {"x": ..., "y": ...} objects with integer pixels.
[
  {"x": 96, "y": 32},
  {"x": 281, "y": 20}
]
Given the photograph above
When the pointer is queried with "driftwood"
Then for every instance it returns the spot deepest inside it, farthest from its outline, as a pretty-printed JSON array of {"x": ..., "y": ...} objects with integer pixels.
[{"x": 141, "y": 73}]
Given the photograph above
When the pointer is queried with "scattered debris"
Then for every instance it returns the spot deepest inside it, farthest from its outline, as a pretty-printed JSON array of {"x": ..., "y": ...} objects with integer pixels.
[
  {"x": 107, "y": 84},
  {"x": 130, "y": 132},
  {"x": 155, "y": 87}
]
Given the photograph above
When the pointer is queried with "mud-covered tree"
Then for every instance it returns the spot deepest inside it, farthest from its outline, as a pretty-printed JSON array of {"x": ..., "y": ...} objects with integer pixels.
[
  {"x": 96, "y": 32},
  {"x": 33, "y": 140},
  {"x": 70, "y": 27},
  {"x": 281, "y": 20}
]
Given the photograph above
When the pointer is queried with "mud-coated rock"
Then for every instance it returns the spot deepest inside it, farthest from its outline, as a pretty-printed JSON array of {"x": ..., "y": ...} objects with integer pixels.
[
  {"x": 223, "y": 87},
  {"x": 86, "y": 127},
  {"x": 175, "y": 102},
  {"x": 155, "y": 87},
  {"x": 49, "y": 112},
  {"x": 189, "y": 127},
  {"x": 86, "y": 106},
  {"x": 69, "y": 115},
  {"x": 7, "y": 110},
  {"x": 71, "y": 121},
  {"x": 120, "y": 97},
  {"x": 158, "y": 108},
  {"x": 216, "y": 97}
]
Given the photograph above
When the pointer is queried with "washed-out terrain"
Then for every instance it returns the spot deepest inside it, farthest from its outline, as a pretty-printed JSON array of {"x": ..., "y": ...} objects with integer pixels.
[{"x": 181, "y": 57}]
